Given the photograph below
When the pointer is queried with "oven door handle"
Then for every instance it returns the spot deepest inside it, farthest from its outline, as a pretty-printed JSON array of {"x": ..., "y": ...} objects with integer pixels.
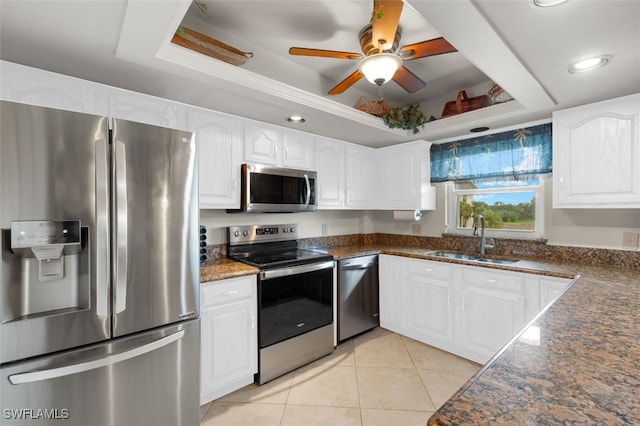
[{"x": 294, "y": 270}]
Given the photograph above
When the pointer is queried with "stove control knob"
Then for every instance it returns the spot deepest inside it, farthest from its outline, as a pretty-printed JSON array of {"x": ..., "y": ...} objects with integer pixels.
[
  {"x": 292, "y": 229},
  {"x": 245, "y": 233},
  {"x": 285, "y": 230},
  {"x": 236, "y": 234}
]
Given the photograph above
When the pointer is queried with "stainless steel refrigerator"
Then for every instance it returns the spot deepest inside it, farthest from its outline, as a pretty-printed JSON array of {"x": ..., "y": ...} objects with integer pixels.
[{"x": 99, "y": 304}]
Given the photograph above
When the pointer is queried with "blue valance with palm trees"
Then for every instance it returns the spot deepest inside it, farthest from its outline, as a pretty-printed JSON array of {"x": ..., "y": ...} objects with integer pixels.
[{"x": 515, "y": 154}]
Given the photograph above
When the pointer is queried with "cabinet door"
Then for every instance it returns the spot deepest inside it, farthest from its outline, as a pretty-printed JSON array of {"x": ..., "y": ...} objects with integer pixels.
[
  {"x": 220, "y": 147},
  {"x": 229, "y": 339},
  {"x": 392, "y": 302},
  {"x": 262, "y": 145},
  {"x": 329, "y": 163},
  {"x": 297, "y": 151},
  {"x": 146, "y": 109},
  {"x": 36, "y": 87},
  {"x": 491, "y": 311},
  {"x": 429, "y": 301},
  {"x": 360, "y": 175},
  {"x": 405, "y": 177},
  {"x": 596, "y": 152}
]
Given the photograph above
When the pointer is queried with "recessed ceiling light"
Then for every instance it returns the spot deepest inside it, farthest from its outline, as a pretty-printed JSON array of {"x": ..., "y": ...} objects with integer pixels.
[
  {"x": 589, "y": 64},
  {"x": 547, "y": 3},
  {"x": 296, "y": 119}
]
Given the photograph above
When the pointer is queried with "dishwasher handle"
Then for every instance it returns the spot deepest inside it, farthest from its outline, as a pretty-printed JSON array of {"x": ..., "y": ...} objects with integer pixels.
[{"x": 363, "y": 262}]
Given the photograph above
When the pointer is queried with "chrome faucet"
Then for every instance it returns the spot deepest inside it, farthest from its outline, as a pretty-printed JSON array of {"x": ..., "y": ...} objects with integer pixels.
[{"x": 483, "y": 240}]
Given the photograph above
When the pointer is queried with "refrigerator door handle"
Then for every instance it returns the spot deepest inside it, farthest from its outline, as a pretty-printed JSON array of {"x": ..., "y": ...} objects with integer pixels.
[
  {"x": 36, "y": 376},
  {"x": 121, "y": 227},
  {"x": 102, "y": 229}
]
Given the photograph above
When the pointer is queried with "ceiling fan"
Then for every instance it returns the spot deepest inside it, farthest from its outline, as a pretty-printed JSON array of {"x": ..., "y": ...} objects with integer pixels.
[{"x": 382, "y": 61}]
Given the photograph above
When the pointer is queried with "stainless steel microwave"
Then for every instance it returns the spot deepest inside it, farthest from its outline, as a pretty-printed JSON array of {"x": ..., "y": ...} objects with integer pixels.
[{"x": 269, "y": 189}]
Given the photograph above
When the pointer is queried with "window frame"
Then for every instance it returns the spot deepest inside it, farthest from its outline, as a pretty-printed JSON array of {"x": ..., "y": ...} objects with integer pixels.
[{"x": 451, "y": 216}]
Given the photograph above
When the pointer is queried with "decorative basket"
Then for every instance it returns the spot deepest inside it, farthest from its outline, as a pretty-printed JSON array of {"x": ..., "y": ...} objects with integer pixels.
[
  {"x": 498, "y": 95},
  {"x": 377, "y": 107},
  {"x": 464, "y": 104}
]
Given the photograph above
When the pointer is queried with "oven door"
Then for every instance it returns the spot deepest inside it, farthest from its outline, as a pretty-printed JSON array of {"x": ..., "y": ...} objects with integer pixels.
[
  {"x": 294, "y": 300},
  {"x": 275, "y": 189}
]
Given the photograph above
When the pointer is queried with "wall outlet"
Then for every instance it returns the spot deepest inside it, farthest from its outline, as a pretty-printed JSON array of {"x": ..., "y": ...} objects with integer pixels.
[
  {"x": 416, "y": 229},
  {"x": 630, "y": 240},
  {"x": 325, "y": 229}
]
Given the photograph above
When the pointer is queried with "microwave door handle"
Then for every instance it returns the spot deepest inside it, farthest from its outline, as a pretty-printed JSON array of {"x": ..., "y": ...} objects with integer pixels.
[
  {"x": 121, "y": 227},
  {"x": 306, "y": 180}
]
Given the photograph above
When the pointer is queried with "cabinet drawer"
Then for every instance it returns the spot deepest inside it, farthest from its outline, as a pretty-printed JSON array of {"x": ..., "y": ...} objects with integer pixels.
[
  {"x": 431, "y": 269},
  {"x": 216, "y": 292},
  {"x": 483, "y": 277}
]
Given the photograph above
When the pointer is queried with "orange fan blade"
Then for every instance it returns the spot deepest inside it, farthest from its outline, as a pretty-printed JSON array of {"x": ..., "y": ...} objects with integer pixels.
[
  {"x": 384, "y": 22},
  {"x": 436, "y": 46},
  {"x": 346, "y": 83},
  {"x": 303, "y": 51},
  {"x": 408, "y": 80}
]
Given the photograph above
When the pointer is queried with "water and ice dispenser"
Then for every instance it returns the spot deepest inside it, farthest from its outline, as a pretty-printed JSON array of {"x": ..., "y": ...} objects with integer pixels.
[{"x": 46, "y": 269}]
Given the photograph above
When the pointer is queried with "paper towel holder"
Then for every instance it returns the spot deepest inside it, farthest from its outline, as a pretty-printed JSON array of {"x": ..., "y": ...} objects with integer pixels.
[{"x": 413, "y": 215}]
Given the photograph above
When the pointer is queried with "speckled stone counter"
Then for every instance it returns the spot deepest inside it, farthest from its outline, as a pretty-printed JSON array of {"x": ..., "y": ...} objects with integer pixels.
[
  {"x": 583, "y": 369},
  {"x": 224, "y": 268}
]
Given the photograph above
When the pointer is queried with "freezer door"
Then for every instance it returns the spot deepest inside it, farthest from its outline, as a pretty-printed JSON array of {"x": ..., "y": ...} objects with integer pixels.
[
  {"x": 53, "y": 172},
  {"x": 147, "y": 379},
  {"x": 155, "y": 227}
]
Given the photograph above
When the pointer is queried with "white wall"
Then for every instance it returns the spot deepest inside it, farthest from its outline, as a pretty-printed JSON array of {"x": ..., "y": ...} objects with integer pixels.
[
  {"x": 599, "y": 228},
  {"x": 340, "y": 222}
]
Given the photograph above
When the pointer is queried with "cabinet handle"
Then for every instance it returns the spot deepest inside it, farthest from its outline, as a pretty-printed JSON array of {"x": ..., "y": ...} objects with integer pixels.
[
  {"x": 428, "y": 270},
  {"x": 229, "y": 293},
  {"x": 489, "y": 280}
]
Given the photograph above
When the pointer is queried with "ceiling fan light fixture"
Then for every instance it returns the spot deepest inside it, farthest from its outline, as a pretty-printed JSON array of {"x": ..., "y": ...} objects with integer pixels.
[
  {"x": 380, "y": 68},
  {"x": 589, "y": 64}
]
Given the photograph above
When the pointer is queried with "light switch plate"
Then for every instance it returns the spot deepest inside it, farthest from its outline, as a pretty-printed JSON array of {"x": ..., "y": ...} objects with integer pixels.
[{"x": 325, "y": 229}]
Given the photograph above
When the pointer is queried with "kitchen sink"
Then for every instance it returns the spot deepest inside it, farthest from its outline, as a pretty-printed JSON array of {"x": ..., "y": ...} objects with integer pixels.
[{"x": 470, "y": 258}]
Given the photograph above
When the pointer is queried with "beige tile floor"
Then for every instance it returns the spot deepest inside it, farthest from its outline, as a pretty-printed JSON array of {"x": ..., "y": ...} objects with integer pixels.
[{"x": 378, "y": 378}]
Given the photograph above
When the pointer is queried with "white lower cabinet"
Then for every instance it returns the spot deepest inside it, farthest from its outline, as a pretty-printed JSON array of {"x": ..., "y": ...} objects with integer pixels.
[
  {"x": 468, "y": 311},
  {"x": 429, "y": 301},
  {"x": 229, "y": 339},
  {"x": 492, "y": 309},
  {"x": 391, "y": 293}
]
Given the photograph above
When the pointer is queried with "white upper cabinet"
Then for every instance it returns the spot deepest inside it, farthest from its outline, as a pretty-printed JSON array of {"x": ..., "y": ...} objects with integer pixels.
[
  {"x": 360, "y": 176},
  {"x": 329, "y": 163},
  {"x": 262, "y": 145},
  {"x": 36, "y": 87},
  {"x": 297, "y": 150},
  {"x": 274, "y": 146},
  {"x": 220, "y": 155},
  {"x": 405, "y": 177},
  {"x": 596, "y": 155}
]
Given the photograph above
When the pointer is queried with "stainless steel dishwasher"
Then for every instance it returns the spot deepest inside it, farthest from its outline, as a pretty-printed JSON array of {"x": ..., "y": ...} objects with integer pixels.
[{"x": 358, "y": 302}]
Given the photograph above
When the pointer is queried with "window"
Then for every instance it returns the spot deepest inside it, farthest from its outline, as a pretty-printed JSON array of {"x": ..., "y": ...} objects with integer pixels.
[{"x": 511, "y": 208}]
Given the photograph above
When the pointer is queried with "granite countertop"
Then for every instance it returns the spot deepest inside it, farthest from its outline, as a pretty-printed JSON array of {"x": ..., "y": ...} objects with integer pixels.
[
  {"x": 585, "y": 369},
  {"x": 224, "y": 268}
]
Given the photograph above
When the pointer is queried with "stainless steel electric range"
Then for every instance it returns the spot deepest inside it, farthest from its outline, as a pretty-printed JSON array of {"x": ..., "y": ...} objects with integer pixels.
[{"x": 295, "y": 296}]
